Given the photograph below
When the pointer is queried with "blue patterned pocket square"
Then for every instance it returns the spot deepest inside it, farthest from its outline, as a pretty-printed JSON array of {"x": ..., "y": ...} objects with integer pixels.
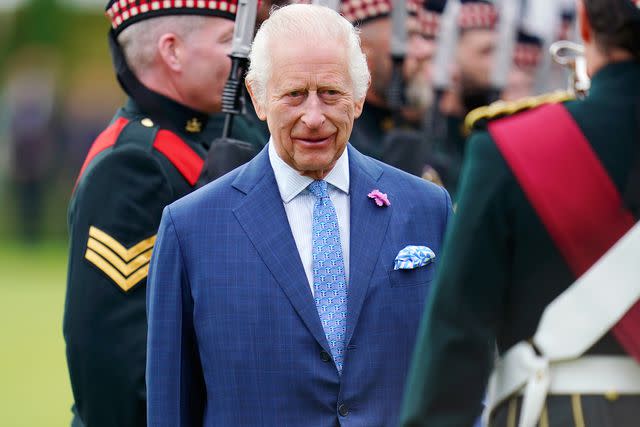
[{"x": 413, "y": 257}]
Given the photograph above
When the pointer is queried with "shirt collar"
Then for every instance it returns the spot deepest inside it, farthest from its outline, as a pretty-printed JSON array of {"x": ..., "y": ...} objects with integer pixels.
[{"x": 291, "y": 183}]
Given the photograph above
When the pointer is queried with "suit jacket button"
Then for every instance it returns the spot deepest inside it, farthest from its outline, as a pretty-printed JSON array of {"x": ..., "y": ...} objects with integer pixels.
[
  {"x": 343, "y": 410},
  {"x": 325, "y": 356}
]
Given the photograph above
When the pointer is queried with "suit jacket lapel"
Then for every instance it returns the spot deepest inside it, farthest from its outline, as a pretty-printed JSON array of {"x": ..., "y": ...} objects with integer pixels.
[
  {"x": 263, "y": 218},
  {"x": 368, "y": 225}
]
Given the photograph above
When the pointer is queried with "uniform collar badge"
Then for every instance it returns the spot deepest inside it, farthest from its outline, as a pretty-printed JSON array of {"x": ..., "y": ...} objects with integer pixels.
[{"x": 194, "y": 126}]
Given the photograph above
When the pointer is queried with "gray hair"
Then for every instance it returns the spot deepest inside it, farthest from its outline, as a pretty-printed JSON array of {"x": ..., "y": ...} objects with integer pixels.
[
  {"x": 139, "y": 42},
  {"x": 303, "y": 21}
]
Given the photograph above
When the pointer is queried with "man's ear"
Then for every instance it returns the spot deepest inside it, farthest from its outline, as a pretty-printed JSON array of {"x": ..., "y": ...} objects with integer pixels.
[
  {"x": 583, "y": 22},
  {"x": 257, "y": 104},
  {"x": 170, "y": 49},
  {"x": 359, "y": 104}
]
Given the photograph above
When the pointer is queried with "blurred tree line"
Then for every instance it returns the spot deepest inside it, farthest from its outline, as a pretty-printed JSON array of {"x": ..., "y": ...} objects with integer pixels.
[{"x": 57, "y": 92}]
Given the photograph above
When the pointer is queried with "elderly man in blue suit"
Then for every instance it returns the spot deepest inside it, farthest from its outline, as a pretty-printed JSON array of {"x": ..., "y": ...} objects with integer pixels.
[{"x": 289, "y": 292}]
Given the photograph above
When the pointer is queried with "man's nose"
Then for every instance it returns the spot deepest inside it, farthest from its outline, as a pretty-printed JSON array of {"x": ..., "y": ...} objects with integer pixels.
[{"x": 313, "y": 116}]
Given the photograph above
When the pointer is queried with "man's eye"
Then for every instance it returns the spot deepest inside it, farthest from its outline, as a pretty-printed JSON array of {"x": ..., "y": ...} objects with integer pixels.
[
  {"x": 295, "y": 93},
  {"x": 330, "y": 92}
]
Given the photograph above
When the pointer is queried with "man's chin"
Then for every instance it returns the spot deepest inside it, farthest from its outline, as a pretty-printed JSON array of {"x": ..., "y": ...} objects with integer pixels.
[{"x": 315, "y": 168}]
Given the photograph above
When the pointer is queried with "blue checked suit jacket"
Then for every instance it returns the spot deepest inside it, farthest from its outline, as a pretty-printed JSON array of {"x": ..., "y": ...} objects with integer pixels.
[{"x": 234, "y": 336}]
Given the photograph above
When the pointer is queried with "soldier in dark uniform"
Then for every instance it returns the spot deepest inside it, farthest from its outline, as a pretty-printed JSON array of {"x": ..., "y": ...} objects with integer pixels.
[
  {"x": 378, "y": 119},
  {"x": 470, "y": 88},
  {"x": 171, "y": 59},
  {"x": 526, "y": 61},
  {"x": 502, "y": 267}
]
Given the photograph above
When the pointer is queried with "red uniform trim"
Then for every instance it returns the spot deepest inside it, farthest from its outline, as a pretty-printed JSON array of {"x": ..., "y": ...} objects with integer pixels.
[
  {"x": 187, "y": 161},
  {"x": 106, "y": 139},
  {"x": 570, "y": 191}
]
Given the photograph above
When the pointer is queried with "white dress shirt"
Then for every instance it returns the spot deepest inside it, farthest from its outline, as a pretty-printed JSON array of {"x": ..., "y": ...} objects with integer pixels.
[{"x": 298, "y": 204}]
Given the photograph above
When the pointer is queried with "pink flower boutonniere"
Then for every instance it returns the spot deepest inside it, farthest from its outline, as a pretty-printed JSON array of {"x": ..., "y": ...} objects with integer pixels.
[{"x": 380, "y": 198}]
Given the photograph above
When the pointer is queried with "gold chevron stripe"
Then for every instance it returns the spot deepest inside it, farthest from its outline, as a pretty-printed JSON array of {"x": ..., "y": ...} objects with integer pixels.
[
  {"x": 125, "y": 283},
  {"x": 126, "y": 268},
  {"x": 124, "y": 253}
]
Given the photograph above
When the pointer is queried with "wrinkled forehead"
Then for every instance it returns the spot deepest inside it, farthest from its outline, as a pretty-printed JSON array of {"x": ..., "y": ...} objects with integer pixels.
[
  {"x": 308, "y": 55},
  {"x": 302, "y": 78}
]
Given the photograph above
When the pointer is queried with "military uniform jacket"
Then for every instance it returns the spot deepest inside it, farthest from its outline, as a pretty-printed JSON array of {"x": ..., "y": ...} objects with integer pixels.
[
  {"x": 399, "y": 143},
  {"x": 136, "y": 167},
  {"x": 447, "y": 154},
  {"x": 500, "y": 269},
  {"x": 369, "y": 130}
]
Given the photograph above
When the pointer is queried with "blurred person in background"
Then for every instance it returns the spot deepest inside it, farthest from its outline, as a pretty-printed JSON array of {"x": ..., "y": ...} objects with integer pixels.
[
  {"x": 548, "y": 196},
  {"x": 33, "y": 135},
  {"x": 527, "y": 56},
  {"x": 470, "y": 87},
  {"x": 171, "y": 59},
  {"x": 378, "y": 119}
]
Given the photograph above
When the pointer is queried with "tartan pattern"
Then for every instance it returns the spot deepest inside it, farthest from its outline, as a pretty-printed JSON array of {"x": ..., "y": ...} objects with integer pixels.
[
  {"x": 329, "y": 280},
  {"x": 123, "y": 10},
  {"x": 362, "y": 10},
  {"x": 477, "y": 15}
]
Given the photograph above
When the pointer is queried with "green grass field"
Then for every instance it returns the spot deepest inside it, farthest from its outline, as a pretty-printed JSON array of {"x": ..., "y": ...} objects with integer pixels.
[{"x": 34, "y": 384}]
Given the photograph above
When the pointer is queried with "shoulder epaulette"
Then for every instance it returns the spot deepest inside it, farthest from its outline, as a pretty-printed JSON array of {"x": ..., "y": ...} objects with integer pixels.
[
  {"x": 106, "y": 139},
  {"x": 183, "y": 157},
  {"x": 505, "y": 108},
  {"x": 178, "y": 152}
]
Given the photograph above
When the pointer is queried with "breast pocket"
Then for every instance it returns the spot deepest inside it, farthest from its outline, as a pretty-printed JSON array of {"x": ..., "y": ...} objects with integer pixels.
[{"x": 412, "y": 277}]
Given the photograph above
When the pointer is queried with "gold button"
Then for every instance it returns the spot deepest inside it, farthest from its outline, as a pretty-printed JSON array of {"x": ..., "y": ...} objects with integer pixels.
[
  {"x": 146, "y": 122},
  {"x": 611, "y": 395},
  {"x": 387, "y": 124}
]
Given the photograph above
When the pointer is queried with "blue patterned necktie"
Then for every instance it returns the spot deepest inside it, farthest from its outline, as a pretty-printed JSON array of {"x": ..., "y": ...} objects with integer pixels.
[{"x": 329, "y": 279}]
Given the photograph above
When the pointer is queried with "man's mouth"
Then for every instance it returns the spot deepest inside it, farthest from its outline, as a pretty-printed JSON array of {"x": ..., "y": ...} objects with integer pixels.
[{"x": 313, "y": 140}]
